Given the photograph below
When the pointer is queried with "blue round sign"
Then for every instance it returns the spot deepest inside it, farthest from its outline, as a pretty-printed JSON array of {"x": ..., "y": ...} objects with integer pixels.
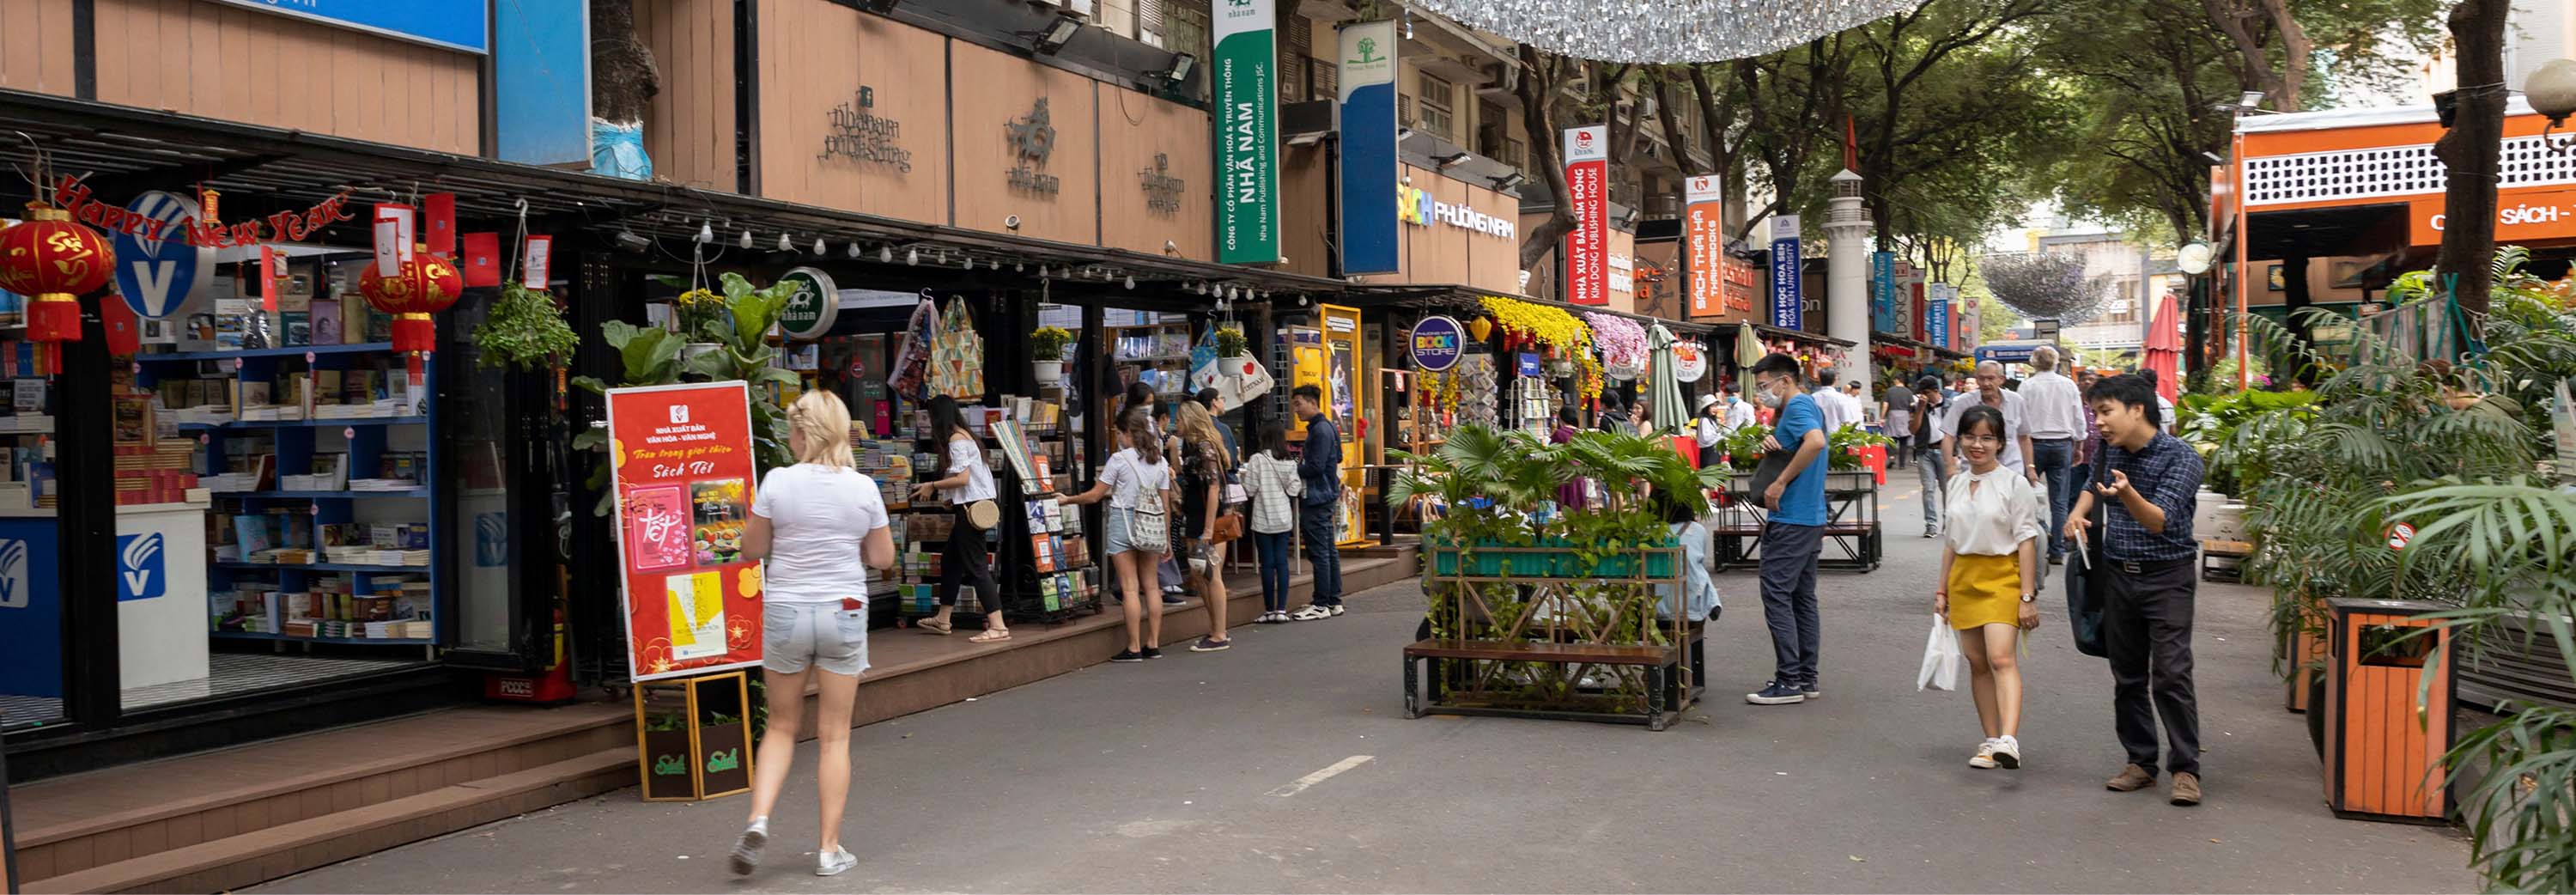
[
  {"x": 1438, "y": 342},
  {"x": 156, "y": 276}
]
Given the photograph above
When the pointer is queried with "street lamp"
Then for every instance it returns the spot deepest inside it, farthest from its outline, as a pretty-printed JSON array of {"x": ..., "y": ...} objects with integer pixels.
[
  {"x": 2194, "y": 258},
  {"x": 2551, "y": 90}
]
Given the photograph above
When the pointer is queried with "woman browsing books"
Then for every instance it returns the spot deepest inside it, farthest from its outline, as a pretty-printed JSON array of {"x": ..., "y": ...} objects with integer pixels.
[
  {"x": 967, "y": 483},
  {"x": 1138, "y": 485}
]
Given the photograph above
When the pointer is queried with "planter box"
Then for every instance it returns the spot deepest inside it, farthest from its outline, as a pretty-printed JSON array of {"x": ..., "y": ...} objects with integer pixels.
[
  {"x": 696, "y": 760},
  {"x": 1550, "y": 558}
]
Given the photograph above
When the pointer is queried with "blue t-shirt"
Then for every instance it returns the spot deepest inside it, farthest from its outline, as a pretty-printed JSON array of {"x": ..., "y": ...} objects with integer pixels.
[{"x": 1803, "y": 501}]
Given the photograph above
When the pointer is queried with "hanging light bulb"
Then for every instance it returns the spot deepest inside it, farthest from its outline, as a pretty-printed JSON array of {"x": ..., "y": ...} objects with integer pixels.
[
  {"x": 994, "y": 264},
  {"x": 885, "y": 254},
  {"x": 854, "y": 250},
  {"x": 967, "y": 263},
  {"x": 706, "y": 232},
  {"x": 746, "y": 239},
  {"x": 1131, "y": 281},
  {"x": 912, "y": 256},
  {"x": 818, "y": 245},
  {"x": 784, "y": 245},
  {"x": 1019, "y": 266}
]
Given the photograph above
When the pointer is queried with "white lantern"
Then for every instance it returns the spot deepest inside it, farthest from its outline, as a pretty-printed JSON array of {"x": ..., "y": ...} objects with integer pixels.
[{"x": 2552, "y": 90}]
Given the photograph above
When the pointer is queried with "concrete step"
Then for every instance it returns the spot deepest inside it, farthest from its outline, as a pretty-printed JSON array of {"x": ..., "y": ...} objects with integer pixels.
[{"x": 279, "y": 850}]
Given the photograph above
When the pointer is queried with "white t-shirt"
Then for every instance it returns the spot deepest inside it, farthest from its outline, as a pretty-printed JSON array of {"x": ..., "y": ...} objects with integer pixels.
[
  {"x": 965, "y": 455},
  {"x": 2054, "y": 406},
  {"x": 818, "y": 518},
  {"x": 1130, "y": 477},
  {"x": 1830, "y": 406}
]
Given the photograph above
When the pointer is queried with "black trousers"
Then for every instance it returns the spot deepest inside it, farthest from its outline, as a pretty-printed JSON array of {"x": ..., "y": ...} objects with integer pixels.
[
  {"x": 2146, "y": 627},
  {"x": 965, "y": 561}
]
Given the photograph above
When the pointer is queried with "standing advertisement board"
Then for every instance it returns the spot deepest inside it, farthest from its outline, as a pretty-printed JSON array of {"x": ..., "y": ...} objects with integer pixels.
[
  {"x": 1787, "y": 293},
  {"x": 1247, "y": 132},
  {"x": 1587, "y": 246},
  {"x": 1368, "y": 166},
  {"x": 684, "y": 479},
  {"x": 1704, "y": 244},
  {"x": 1882, "y": 291}
]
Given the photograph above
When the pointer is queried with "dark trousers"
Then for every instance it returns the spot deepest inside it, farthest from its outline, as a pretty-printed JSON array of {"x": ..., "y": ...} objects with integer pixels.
[
  {"x": 2146, "y": 627},
  {"x": 2055, "y": 460},
  {"x": 965, "y": 562},
  {"x": 1789, "y": 598},
  {"x": 1315, "y": 524},
  {"x": 1898, "y": 448},
  {"x": 1273, "y": 550}
]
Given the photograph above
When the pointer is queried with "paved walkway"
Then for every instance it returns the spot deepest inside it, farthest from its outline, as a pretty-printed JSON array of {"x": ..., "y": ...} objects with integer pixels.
[{"x": 1183, "y": 775}]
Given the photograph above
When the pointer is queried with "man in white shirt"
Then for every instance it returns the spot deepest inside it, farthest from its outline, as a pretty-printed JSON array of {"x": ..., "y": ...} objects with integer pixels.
[
  {"x": 2054, "y": 408},
  {"x": 1838, "y": 410},
  {"x": 1739, "y": 412},
  {"x": 1990, "y": 392}
]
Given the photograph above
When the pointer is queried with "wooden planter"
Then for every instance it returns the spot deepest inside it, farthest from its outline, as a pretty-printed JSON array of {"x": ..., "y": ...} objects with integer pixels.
[
  {"x": 696, "y": 759},
  {"x": 1584, "y": 647},
  {"x": 1551, "y": 558},
  {"x": 2303, "y": 646}
]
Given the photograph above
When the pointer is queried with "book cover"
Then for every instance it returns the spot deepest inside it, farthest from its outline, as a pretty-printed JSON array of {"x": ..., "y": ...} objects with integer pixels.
[
  {"x": 253, "y": 533},
  {"x": 324, "y": 326}
]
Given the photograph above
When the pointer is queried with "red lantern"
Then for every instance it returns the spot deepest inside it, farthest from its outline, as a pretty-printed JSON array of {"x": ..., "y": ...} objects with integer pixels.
[
  {"x": 424, "y": 285},
  {"x": 53, "y": 262}
]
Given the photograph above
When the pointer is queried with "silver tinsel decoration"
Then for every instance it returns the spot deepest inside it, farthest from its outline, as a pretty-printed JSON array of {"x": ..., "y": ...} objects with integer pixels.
[
  {"x": 2045, "y": 285},
  {"x": 1664, "y": 31}
]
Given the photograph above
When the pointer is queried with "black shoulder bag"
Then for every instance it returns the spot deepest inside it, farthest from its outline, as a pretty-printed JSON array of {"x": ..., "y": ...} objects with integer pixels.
[{"x": 2088, "y": 583}]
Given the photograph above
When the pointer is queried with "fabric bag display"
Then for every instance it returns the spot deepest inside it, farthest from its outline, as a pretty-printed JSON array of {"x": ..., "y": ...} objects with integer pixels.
[
  {"x": 957, "y": 355},
  {"x": 911, "y": 370},
  {"x": 1940, "y": 658},
  {"x": 1149, "y": 526}
]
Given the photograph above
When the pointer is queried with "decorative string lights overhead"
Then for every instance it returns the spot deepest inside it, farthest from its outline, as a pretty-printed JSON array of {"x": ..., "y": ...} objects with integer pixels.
[{"x": 1663, "y": 31}]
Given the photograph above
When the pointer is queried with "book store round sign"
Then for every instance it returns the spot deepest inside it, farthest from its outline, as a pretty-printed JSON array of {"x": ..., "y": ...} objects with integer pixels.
[
  {"x": 812, "y": 304},
  {"x": 1437, "y": 343}
]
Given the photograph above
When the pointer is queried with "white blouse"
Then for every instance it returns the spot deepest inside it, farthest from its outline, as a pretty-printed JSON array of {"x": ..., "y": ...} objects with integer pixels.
[
  {"x": 968, "y": 457},
  {"x": 1991, "y": 514}
]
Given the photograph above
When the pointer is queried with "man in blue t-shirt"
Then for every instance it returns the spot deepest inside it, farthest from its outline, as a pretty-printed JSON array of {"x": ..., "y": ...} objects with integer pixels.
[{"x": 1794, "y": 533}]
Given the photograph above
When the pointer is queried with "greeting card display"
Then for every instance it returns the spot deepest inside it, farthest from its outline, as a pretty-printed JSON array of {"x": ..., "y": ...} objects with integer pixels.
[{"x": 684, "y": 476}]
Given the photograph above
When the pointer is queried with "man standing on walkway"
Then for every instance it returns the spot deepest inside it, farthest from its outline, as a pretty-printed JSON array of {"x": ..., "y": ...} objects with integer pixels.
[
  {"x": 1991, "y": 392},
  {"x": 1795, "y": 494},
  {"x": 2055, "y": 412},
  {"x": 1931, "y": 416},
  {"x": 2151, "y": 487},
  {"x": 1319, "y": 467},
  {"x": 1897, "y": 408},
  {"x": 1830, "y": 403}
]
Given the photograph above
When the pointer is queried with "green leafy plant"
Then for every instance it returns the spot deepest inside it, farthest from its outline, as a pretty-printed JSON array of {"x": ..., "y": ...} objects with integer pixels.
[
  {"x": 1230, "y": 341},
  {"x": 665, "y": 723},
  {"x": 1743, "y": 446},
  {"x": 720, "y": 719},
  {"x": 743, "y": 332},
  {"x": 1047, "y": 343},
  {"x": 525, "y": 329},
  {"x": 2208, "y": 421},
  {"x": 1841, "y": 445}
]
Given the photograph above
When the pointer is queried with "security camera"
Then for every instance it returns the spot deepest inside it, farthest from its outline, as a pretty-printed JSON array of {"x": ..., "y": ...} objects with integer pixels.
[{"x": 1012, "y": 222}]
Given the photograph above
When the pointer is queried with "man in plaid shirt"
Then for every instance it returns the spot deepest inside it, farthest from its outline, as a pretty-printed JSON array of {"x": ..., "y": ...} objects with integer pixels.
[{"x": 2151, "y": 486}]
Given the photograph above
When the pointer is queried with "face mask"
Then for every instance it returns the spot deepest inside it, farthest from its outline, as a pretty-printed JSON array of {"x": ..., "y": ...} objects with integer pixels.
[{"x": 1768, "y": 399}]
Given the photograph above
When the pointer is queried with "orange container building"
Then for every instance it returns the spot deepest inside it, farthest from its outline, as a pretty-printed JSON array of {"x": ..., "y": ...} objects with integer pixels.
[{"x": 2385, "y": 729}]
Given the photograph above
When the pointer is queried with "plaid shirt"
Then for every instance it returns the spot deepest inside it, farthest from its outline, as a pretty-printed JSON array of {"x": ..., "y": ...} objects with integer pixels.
[{"x": 2167, "y": 473}]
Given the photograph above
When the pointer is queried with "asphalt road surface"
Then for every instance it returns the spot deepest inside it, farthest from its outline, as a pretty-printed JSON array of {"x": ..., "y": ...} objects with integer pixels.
[{"x": 1286, "y": 765}]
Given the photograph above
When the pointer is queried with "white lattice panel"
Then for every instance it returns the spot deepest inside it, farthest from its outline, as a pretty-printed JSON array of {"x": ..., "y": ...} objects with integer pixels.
[{"x": 2389, "y": 171}]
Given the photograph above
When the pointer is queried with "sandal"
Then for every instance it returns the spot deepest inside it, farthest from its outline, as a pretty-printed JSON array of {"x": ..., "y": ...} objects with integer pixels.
[
  {"x": 991, "y": 635},
  {"x": 934, "y": 626}
]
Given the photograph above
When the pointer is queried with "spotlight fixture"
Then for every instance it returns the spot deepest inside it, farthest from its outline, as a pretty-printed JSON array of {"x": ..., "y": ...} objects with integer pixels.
[
  {"x": 706, "y": 232},
  {"x": 745, "y": 242},
  {"x": 912, "y": 256},
  {"x": 1455, "y": 160},
  {"x": 1511, "y": 181},
  {"x": 784, "y": 245},
  {"x": 1180, "y": 70},
  {"x": 626, "y": 239},
  {"x": 885, "y": 254},
  {"x": 1056, "y": 34}
]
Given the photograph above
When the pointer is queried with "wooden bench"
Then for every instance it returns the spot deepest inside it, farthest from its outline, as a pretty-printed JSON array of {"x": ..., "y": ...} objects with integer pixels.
[
  {"x": 1665, "y": 688},
  {"x": 2213, "y": 551}
]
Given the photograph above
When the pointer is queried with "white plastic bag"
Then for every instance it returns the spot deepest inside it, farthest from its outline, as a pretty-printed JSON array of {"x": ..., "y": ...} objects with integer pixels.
[{"x": 1940, "y": 658}]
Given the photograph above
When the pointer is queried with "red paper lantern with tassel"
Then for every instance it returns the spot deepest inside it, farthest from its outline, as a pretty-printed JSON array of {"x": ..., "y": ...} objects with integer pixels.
[
  {"x": 53, "y": 262},
  {"x": 424, "y": 285}
]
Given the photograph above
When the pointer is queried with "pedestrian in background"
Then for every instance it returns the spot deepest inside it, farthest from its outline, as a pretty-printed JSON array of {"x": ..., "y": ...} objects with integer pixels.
[
  {"x": 818, "y": 526},
  {"x": 1136, "y": 478},
  {"x": 1830, "y": 403},
  {"x": 1739, "y": 412},
  {"x": 1569, "y": 496},
  {"x": 1207, "y": 398},
  {"x": 2054, "y": 410},
  {"x": 1270, "y": 479},
  {"x": 1931, "y": 461},
  {"x": 1320, "y": 465},
  {"x": 2164, "y": 406},
  {"x": 1897, "y": 407},
  {"x": 1709, "y": 427},
  {"x": 1175, "y": 585},
  {"x": 1613, "y": 415},
  {"x": 1206, "y": 466},
  {"x": 2151, "y": 487},
  {"x": 1698, "y": 601},
  {"x": 1991, "y": 393},
  {"x": 966, "y": 558},
  {"x": 1793, "y": 533},
  {"x": 1989, "y": 588}
]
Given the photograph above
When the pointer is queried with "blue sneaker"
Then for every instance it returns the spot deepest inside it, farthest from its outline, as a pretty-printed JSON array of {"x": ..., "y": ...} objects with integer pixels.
[{"x": 1776, "y": 693}]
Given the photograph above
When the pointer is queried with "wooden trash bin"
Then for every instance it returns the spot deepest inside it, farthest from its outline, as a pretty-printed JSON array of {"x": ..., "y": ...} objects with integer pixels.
[
  {"x": 693, "y": 736},
  {"x": 2384, "y": 745}
]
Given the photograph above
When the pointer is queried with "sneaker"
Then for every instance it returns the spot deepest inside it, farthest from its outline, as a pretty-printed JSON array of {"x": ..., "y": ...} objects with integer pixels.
[
  {"x": 1128, "y": 655},
  {"x": 1931, "y": 532},
  {"x": 1210, "y": 645},
  {"x": 2186, "y": 789},
  {"x": 1313, "y": 612},
  {"x": 746, "y": 850},
  {"x": 1171, "y": 589},
  {"x": 2057, "y": 560},
  {"x": 1276, "y": 616},
  {"x": 833, "y": 864},
  {"x": 2132, "y": 778},
  {"x": 1984, "y": 760},
  {"x": 1153, "y": 653},
  {"x": 2008, "y": 753},
  {"x": 1337, "y": 609},
  {"x": 1776, "y": 693},
  {"x": 1171, "y": 603},
  {"x": 1809, "y": 690}
]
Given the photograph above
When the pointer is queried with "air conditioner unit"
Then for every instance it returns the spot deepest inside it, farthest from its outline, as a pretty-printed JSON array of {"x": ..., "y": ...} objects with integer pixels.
[{"x": 1080, "y": 8}]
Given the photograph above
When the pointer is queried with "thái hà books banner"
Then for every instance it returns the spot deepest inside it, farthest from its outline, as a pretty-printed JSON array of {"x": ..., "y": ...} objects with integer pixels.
[
  {"x": 1587, "y": 246},
  {"x": 1245, "y": 78},
  {"x": 684, "y": 480},
  {"x": 1368, "y": 148}
]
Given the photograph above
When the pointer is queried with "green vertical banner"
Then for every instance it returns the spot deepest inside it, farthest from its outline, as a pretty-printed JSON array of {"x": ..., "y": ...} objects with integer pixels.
[{"x": 1247, "y": 141}]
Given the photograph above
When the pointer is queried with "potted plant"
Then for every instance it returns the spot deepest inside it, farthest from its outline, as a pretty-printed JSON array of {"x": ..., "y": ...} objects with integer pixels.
[
  {"x": 1046, "y": 347},
  {"x": 724, "y": 754},
  {"x": 524, "y": 329},
  {"x": 667, "y": 757},
  {"x": 699, "y": 313},
  {"x": 1231, "y": 343}
]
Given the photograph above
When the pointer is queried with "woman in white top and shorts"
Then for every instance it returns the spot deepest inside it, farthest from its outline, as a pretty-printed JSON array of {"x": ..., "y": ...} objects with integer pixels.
[
  {"x": 1134, "y": 475},
  {"x": 820, "y": 526},
  {"x": 964, "y": 561}
]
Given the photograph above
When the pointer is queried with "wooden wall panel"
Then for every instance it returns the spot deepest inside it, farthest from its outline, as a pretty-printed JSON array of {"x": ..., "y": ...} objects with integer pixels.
[
  {"x": 690, "y": 126},
  {"x": 1439, "y": 250},
  {"x": 1494, "y": 262},
  {"x": 1306, "y": 210},
  {"x": 1135, "y": 129},
  {"x": 991, "y": 90},
  {"x": 814, "y": 58},
  {"x": 242, "y": 65},
  {"x": 36, "y": 46}
]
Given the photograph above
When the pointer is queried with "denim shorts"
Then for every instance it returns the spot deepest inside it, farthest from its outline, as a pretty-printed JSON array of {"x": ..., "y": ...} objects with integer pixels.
[
  {"x": 1117, "y": 531},
  {"x": 822, "y": 635}
]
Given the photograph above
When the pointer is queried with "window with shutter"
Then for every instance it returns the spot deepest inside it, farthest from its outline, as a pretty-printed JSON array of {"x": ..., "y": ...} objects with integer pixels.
[
  {"x": 1150, "y": 25},
  {"x": 1435, "y": 104},
  {"x": 1325, "y": 78},
  {"x": 1404, "y": 110}
]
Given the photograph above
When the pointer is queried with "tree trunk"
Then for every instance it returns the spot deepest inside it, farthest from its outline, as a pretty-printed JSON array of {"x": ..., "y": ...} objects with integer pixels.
[
  {"x": 624, "y": 78},
  {"x": 1537, "y": 90},
  {"x": 2468, "y": 152}
]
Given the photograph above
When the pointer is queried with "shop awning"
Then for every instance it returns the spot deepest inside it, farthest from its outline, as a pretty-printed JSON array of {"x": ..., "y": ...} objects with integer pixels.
[
  {"x": 1466, "y": 299},
  {"x": 1798, "y": 335},
  {"x": 121, "y": 149}
]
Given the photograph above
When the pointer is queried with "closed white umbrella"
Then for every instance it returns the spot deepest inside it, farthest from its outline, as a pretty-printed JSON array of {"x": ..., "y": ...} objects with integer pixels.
[{"x": 1670, "y": 415}]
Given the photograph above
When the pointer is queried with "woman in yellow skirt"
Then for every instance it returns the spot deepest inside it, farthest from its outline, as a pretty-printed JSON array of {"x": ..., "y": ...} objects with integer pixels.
[{"x": 1990, "y": 578}]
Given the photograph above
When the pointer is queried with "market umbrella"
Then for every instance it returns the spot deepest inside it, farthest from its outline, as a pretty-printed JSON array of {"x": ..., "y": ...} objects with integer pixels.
[
  {"x": 2164, "y": 347},
  {"x": 1665, "y": 378},
  {"x": 1748, "y": 351}
]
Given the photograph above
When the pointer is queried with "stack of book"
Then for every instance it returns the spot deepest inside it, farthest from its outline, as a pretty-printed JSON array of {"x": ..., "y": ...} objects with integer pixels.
[{"x": 153, "y": 473}]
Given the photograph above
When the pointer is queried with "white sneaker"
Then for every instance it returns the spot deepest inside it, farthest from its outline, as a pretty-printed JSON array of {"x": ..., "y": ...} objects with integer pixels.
[
  {"x": 1337, "y": 608},
  {"x": 1985, "y": 757},
  {"x": 2008, "y": 753},
  {"x": 833, "y": 864},
  {"x": 1312, "y": 612},
  {"x": 746, "y": 850}
]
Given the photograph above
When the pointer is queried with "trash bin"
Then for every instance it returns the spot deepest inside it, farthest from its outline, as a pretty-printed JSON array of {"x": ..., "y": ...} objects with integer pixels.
[{"x": 2384, "y": 744}]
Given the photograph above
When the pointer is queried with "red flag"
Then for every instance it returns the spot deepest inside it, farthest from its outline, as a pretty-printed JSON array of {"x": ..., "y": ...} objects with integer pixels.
[
  {"x": 1851, "y": 145},
  {"x": 482, "y": 262},
  {"x": 438, "y": 227}
]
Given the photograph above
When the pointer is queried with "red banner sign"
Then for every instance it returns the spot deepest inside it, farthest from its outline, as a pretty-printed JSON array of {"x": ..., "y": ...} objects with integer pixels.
[
  {"x": 682, "y": 455},
  {"x": 1704, "y": 244},
  {"x": 1587, "y": 246},
  {"x": 286, "y": 226}
]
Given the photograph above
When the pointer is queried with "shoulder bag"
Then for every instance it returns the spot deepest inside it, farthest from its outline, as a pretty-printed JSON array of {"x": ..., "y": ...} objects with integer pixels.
[{"x": 1149, "y": 525}]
